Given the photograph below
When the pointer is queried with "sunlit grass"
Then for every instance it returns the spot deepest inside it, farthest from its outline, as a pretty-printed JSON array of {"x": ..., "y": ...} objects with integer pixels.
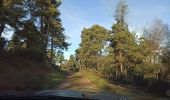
[
  {"x": 55, "y": 78},
  {"x": 101, "y": 83},
  {"x": 80, "y": 83},
  {"x": 105, "y": 85},
  {"x": 86, "y": 81}
]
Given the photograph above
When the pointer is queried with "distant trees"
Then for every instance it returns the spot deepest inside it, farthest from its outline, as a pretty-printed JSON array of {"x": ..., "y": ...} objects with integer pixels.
[
  {"x": 92, "y": 46},
  {"x": 157, "y": 32},
  {"x": 70, "y": 64},
  {"x": 59, "y": 57},
  {"x": 113, "y": 53},
  {"x": 157, "y": 35},
  {"x": 119, "y": 54}
]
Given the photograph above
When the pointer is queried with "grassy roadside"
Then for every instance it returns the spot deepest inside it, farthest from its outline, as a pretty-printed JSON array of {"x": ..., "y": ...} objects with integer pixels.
[
  {"x": 55, "y": 78},
  {"x": 104, "y": 85},
  {"x": 79, "y": 83}
]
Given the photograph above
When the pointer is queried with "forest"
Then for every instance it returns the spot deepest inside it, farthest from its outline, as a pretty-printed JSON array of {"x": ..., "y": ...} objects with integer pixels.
[
  {"x": 123, "y": 56},
  {"x": 118, "y": 55}
]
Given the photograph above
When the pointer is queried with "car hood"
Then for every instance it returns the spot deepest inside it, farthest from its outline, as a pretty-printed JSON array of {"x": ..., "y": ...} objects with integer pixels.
[{"x": 79, "y": 94}]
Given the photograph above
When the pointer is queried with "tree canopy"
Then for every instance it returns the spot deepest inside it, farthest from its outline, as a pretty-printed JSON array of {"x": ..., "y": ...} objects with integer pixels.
[{"x": 36, "y": 26}]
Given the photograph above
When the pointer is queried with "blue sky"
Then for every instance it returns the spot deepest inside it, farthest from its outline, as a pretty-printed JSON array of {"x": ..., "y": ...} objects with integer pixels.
[{"x": 77, "y": 14}]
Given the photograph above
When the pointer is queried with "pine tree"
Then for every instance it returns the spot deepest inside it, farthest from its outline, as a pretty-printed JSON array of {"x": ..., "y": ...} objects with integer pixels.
[
  {"x": 92, "y": 43},
  {"x": 43, "y": 27},
  {"x": 11, "y": 13}
]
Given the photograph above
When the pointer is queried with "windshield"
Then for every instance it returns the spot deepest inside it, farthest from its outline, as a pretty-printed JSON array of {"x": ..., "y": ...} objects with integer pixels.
[{"x": 98, "y": 48}]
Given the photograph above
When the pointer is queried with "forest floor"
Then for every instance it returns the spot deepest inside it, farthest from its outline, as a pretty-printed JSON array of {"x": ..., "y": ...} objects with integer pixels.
[{"x": 89, "y": 82}]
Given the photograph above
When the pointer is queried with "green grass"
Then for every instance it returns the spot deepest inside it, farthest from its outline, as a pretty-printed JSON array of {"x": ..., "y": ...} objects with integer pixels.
[
  {"x": 105, "y": 85},
  {"x": 76, "y": 83},
  {"x": 99, "y": 82},
  {"x": 55, "y": 78}
]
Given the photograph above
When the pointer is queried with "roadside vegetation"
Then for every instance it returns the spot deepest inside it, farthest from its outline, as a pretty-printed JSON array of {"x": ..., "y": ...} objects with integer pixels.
[
  {"x": 105, "y": 85},
  {"x": 28, "y": 75},
  {"x": 28, "y": 57},
  {"x": 55, "y": 79},
  {"x": 122, "y": 56}
]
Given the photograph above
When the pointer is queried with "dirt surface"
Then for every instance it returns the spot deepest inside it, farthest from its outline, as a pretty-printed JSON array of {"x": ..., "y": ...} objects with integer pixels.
[
  {"x": 76, "y": 82},
  {"x": 82, "y": 83}
]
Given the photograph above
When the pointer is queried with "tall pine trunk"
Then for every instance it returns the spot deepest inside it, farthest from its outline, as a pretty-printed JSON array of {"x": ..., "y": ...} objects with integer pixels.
[
  {"x": 120, "y": 63},
  {"x": 2, "y": 26},
  {"x": 46, "y": 42},
  {"x": 52, "y": 43},
  {"x": 44, "y": 39},
  {"x": 116, "y": 63}
]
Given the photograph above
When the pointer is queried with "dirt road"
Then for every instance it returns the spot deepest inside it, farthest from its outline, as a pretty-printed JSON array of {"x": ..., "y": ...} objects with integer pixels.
[{"x": 77, "y": 82}]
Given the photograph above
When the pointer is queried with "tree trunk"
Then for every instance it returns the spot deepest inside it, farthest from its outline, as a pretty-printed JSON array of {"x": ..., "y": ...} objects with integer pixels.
[
  {"x": 116, "y": 74},
  {"x": 44, "y": 39},
  {"x": 121, "y": 68},
  {"x": 45, "y": 48},
  {"x": 2, "y": 26},
  {"x": 52, "y": 43},
  {"x": 46, "y": 42},
  {"x": 120, "y": 64},
  {"x": 116, "y": 64},
  {"x": 154, "y": 60},
  {"x": 150, "y": 58}
]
